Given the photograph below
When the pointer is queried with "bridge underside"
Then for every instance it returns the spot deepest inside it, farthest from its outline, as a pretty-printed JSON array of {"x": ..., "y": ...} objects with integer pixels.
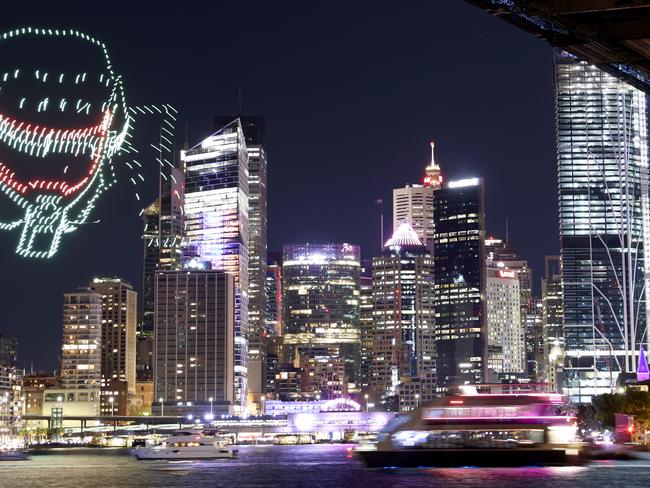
[{"x": 611, "y": 34}]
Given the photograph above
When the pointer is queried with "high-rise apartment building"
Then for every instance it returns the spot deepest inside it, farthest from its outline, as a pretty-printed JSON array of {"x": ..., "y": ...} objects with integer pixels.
[
  {"x": 194, "y": 364},
  {"x": 320, "y": 284},
  {"x": 602, "y": 161},
  {"x": 459, "y": 277},
  {"x": 403, "y": 341},
  {"x": 81, "y": 361},
  {"x": 216, "y": 226},
  {"x": 413, "y": 204},
  {"x": 119, "y": 318},
  {"x": 505, "y": 329},
  {"x": 258, "y": 330}
]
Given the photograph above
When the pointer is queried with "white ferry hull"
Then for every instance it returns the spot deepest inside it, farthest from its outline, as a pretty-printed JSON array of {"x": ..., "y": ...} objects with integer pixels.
[{"x": 186, "y": 453}]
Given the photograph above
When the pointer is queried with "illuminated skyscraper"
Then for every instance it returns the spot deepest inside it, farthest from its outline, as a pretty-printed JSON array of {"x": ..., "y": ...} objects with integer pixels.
[
  {"x": 413, "y": 204},
  {"x": 119, "y": 317},
  {"x": 194, "y": 353},
  {"x": 553, "y": 320},
  {"x": 216, "y": 225},
  {"x": 162, "y": 239},
  {"x": 459, "y": 250},
  {"x": 365, "y": 323},
  {"x": 258, "y": 329},
  {"x": 602, "y": 162},
  {"x": 320, "y": 284},
  {"x": 403, "y": 342}
]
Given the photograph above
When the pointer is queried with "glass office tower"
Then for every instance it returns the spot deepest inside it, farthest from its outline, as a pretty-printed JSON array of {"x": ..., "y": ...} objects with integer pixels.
[
  {"x": 459, "y": 273},
  {"x": 216, "y": 225},
  {"x": 258, "y": 330},
  {"x": 320, "y": 285},
  {"x": 193, "y": 361},
  {"x": 602, "y": 159}
]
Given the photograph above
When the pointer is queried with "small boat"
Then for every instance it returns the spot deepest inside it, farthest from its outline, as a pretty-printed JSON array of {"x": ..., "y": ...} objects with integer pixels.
[
  {"x": 186, "y": 446},
  {"x": 13, "y": 455}
]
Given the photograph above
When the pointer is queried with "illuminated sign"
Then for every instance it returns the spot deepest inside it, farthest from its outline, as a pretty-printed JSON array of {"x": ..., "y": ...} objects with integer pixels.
[
  {"x": 463, "y": 183},
  {"x": 505, "y": 273}
]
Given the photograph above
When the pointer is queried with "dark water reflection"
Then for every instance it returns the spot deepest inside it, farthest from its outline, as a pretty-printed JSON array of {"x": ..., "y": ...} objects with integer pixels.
[{"x": 293, "y": 467}]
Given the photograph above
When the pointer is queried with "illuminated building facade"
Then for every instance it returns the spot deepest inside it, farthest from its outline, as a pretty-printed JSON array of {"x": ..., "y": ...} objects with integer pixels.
[
  {"x": 459, "y": 277},
  {"x": 34, "y": 386},
  {"x": 11, "y": 394},
  {"x": 602, "y": 161},
  {"x": 536, "y": 341},
  {"x": 320, "y": 284},
  {"x": 81, "y": 360},
  {"x": 403, "y": 342},
  {"x": 162, "y": 239},
  {"x": 273, "y": 318},
  {"x": 505, "y": 328},
  {"x": 216, "y": 225},
  {"x": 366, "y": 328},
  {"x": 273, "y": 285},
  {"x": 552, "y": 319},
  {"x": 8, "y": 350},
  {"x": 119, "y": 316},
  {"x": 254, "y": 130},
  {"x": 194, "y": 349},
  {"x": 413, "y": 204}
]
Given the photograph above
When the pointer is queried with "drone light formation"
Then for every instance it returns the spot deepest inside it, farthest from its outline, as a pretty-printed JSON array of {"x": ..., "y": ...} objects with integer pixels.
[{"x": 54, "y": 206}]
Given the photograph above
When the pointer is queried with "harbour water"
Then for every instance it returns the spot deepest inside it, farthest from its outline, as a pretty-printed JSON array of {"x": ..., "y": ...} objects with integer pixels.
[{"x": 295, "y": 467}]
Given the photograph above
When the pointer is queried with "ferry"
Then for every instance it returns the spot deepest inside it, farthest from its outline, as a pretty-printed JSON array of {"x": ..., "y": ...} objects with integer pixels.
[
  {"x": 482, "y": 430},
  {"x": 186, "y": 446}
]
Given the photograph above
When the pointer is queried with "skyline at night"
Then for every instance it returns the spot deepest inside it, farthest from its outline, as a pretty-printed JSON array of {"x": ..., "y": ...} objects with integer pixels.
[
  {"x": 337, "y": 140},
  {"x": 325, "y": 244}
]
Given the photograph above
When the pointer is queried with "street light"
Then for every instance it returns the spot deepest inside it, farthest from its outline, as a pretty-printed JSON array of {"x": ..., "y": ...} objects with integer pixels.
[
  {"x": 111, "y": 400},
  {"x": 417, "y": 400},
  {"x": 211, "y": 412},
  {"x": 366, "y": 398},
  {"x": 162, "y": 407}
]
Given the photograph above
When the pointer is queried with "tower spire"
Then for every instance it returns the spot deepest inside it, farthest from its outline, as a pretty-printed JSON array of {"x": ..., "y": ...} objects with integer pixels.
[{"x": 433, "y": 159}]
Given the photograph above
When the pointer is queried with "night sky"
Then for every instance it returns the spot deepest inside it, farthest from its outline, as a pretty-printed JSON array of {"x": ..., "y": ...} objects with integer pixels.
[{"x": 351, "y": 93}]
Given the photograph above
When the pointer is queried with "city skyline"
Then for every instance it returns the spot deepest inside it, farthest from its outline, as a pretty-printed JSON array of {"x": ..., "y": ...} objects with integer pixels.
[{"x": 367, "y": 163}]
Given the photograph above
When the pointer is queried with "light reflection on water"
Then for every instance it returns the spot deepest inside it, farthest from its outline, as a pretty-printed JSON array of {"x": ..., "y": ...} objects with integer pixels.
[{"x": 294, "y": 467}]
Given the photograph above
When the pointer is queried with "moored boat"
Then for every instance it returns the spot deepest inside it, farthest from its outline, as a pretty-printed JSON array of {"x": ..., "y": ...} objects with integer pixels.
[
  {"x": 186, "y": 446},
  {"x": 13, "y": 455}
]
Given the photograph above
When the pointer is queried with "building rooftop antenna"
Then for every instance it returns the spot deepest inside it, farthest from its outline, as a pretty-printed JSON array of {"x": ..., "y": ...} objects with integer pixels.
[{"x": 433, "y": 159}]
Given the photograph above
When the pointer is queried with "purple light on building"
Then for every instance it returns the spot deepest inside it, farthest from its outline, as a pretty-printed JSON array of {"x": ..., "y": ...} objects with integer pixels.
[{"x": 642, "y": 371}]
